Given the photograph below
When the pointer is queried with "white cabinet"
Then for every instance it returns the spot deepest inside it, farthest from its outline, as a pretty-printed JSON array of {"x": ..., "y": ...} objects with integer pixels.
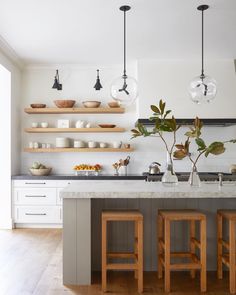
[
  {"x": 38, "y": 214},
  {"x": 37, "y": 203}
]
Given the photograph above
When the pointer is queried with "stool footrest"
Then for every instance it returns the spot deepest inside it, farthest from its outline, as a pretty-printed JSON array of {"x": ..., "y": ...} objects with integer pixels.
[
  {"x": 181, "y": 254},
  {"x": 121, "y": 255},
  {"x": 185, "y": 266},
  {"x": 122, "y": 266}
]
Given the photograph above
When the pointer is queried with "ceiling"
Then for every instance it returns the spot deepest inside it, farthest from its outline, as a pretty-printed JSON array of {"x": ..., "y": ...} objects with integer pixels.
[{"x": 91, "y": 31}]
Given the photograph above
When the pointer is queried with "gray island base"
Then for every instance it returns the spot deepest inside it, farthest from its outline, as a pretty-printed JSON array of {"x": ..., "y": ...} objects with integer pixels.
[{"x": 84, "y": 201}]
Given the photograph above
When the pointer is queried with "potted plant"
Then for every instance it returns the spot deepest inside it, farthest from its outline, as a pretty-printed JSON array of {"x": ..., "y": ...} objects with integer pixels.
[
  {"x": 162, "y": 123},
  {"x": 194, "y": 134}
]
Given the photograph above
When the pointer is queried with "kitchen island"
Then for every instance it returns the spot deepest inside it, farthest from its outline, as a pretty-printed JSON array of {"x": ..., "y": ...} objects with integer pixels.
[{"x": 84, "y": 201}]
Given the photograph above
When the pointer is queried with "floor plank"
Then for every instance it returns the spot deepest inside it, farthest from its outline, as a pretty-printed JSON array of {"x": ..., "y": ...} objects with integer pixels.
[{"x": 31, "y": 264}]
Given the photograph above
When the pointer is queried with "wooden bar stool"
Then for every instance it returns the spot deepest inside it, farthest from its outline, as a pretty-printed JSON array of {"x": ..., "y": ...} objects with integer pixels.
[
  {"x": 164, "y": 248},
  {"x": 137, "y": 255},
  {"x": 227, "y": 258}
]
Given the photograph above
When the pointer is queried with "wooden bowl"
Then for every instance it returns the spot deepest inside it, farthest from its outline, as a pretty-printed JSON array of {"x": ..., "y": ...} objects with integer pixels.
[
  {"x": 114, "y": 104},
  {"x": 38, "y": 105},
  {"x": 107, "y": 125},
  {"x": 40, "y": 172},
  {"x": 91, "y": 104},
  {"x": 64, "y": 103}
]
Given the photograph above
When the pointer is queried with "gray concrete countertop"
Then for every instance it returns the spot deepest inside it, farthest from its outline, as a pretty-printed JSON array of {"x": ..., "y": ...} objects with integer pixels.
[{"x": 143, "y": 189}]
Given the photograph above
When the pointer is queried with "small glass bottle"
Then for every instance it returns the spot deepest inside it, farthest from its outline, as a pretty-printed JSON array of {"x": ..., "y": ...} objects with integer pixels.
[{"x": 169, "y": 177}]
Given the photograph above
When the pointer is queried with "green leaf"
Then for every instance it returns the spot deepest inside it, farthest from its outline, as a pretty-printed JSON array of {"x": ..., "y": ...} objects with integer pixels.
[
  {"x": 167, "y": 113},
  {"x": 135, "y": 131},
  {"x": 179, "y": 154},
  {"x": 162, "y": 106},
  {"x": 155, "y": 109},
  {"x": 233, "y": 141},
  {"x": 201, "y": 144},
  {"x": 179, "y": 146},
  {"x": 215, "y": 148}
]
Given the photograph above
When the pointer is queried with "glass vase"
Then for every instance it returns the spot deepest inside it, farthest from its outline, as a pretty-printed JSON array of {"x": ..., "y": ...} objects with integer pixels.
[
  {"x": 194, "y": 179},
  {"x": 169, "y": 177}
]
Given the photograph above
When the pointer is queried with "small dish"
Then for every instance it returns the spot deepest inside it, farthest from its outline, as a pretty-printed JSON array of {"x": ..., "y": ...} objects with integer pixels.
[
  {"x": 38, "y": 105},
  {"x": 91, "y": 104},
  {"x": 114, "y": 104},
  {"x": 107, "y": 125},
  {"x": 64, "y": 103}
]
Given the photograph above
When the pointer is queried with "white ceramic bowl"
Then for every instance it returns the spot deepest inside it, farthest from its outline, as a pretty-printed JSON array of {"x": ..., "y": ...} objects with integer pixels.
[
  {"x": 92, "y": 144},
  {"x": 34, "y": 125},
  {"x": 44, "y": 124},
  {"x": 91, "y": 104}
]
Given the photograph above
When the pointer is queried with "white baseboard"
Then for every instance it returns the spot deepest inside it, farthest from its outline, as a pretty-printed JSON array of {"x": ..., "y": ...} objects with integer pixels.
[{"x": 37, "y": 225}]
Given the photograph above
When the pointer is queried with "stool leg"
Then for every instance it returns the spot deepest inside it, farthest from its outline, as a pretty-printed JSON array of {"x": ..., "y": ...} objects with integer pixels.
[
  {"x": 104, "y": 255},
  {"x": 232, "y": 257},
  {"x": 159, "y": 248},
  {"x": 219, "y": 246},
  {"x": 192, "y": 246},
  {"x": 136, "y": 245},
  {"x": 203, "y": 255},
  {"x": 140, "y": 256},
  {"x": 167, "y": 254}
]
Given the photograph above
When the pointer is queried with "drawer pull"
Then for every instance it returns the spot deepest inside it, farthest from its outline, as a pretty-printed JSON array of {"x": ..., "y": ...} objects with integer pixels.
[
  {"x": 35, "y": 196},
  {"x": 41, "y": 214},
  {"x": 35, "y": 182}
]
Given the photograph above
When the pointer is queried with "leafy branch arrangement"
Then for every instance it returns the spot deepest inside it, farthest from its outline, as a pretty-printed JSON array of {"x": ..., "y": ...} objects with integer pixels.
[
  {"x": 161, "y": 124},
  {"x": 215, "y": 148}
]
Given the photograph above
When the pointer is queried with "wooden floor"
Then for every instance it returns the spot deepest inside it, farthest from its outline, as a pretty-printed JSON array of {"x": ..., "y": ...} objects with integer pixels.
[{"x": 31, "y": 263}]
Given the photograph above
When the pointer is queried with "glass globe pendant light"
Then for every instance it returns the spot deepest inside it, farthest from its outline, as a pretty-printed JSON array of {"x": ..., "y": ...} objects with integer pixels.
[
  {"x": 124, "y": 89},
  {"x": 202, "y": 89}
]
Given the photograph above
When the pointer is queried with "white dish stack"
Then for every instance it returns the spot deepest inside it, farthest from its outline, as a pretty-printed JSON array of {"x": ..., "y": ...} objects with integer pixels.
[{"x": 62, "y": 142}]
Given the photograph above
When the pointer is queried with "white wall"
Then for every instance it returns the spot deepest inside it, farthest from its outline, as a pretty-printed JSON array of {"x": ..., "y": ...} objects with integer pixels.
[
  {"x": 166, "y": 79},
  {"x": 169, "y": 80},
  {"x": 78, "y": 82},
  {"x": 10, "y": 139}
]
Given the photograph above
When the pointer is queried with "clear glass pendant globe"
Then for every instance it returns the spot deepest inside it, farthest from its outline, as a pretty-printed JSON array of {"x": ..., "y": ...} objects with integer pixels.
[
  {"x": 124, "y": 90},
  {"x": 202, "y": 90}
]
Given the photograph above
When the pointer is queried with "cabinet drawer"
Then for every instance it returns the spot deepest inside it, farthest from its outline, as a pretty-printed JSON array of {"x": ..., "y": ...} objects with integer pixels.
[
  {"x": 34, "y": 183},
  {"x": 35, "y": 196},
  {"x": 37, "y": 214}
]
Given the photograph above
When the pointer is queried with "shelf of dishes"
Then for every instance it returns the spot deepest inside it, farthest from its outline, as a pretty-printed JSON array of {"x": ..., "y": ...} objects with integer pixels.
[
  {"x": 68, "y": 144},
  {"x": 74, "y": 130},
  {"x": 75, "y": 150},
  {"x": 66, "y": 106}
]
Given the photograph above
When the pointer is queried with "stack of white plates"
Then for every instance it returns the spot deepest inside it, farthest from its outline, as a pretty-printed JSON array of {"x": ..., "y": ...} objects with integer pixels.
[{"x": 62, "y": 142}]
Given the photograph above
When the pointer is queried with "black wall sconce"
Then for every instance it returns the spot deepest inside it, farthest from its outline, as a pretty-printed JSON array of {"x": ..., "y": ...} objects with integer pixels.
[
  {"x": 56, "y": 84},
  {"x": 98, "y": 84}
]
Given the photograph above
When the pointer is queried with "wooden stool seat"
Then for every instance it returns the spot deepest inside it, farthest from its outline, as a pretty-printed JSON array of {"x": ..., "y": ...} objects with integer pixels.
[
  {"x": 164, "y": 219},
  {"x": 137, "y": 255},
  {"x": 187, "y": 214},
  {"x": 228, "y": 258}
]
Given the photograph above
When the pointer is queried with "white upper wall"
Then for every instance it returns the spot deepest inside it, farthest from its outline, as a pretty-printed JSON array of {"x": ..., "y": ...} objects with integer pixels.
[{"x": 91, "y": 31}]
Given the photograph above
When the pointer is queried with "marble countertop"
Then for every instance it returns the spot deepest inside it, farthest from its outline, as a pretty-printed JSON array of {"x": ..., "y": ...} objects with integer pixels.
[{"x": 142, "y": 189}]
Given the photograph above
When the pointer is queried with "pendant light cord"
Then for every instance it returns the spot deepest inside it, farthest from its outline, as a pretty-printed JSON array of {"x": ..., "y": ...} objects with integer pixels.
[
  {"x": 125, "y": 76},
  {"x": 202, "y": 73}
]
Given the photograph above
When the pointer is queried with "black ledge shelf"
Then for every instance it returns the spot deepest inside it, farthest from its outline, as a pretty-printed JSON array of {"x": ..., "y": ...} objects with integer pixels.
[{"x": 207, "y": 122}]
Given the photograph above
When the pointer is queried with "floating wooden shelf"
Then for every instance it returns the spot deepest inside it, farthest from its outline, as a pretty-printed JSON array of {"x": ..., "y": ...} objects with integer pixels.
[
  {"x": 75, "y": 150},
  {"x": 74, "y": 130},
  {"x": 75, "y": 110}
]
